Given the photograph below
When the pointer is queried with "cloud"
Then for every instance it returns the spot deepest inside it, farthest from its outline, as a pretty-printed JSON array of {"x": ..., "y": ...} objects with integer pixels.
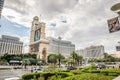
[
  {"x": 86, "y": 20},
  {"x": 18, "y": 5}
]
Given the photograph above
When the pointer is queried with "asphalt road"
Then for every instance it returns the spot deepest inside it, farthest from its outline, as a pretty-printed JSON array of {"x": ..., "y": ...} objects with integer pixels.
[{"x": 12, "y": 73}]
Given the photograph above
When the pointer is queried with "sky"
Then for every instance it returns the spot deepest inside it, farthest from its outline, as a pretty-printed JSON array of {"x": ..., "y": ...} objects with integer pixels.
[{"x": 83, "y": 22}]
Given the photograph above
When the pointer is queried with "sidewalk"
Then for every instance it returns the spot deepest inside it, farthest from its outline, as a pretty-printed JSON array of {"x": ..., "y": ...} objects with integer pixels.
[{"x": 118, "y": 78}]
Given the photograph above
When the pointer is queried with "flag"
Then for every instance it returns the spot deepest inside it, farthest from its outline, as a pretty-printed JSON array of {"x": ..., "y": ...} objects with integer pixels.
[
  {"x": 53, "y": 24},
  {"x": 63, "y": 19}
]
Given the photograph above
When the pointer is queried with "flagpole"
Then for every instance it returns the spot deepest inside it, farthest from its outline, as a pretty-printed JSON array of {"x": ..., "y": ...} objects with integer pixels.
[{"x": 40, "y": 17}]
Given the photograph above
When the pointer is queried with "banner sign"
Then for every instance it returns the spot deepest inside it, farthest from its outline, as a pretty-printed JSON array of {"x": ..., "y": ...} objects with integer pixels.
[{"x": 114, "y": 24}]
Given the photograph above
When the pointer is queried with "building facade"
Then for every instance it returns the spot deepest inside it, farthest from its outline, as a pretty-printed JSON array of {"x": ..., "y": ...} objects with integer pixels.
[
  {"x": 116, "y": 55},
  {"x": 92, "y": 52},
  {"x": 60, "y": 46},
  {"x": 43, "y": 46},
  {"x": 38, "y": 42},
  {"x": 10, "y": 45},
  {"x": 1, "y": 6}
]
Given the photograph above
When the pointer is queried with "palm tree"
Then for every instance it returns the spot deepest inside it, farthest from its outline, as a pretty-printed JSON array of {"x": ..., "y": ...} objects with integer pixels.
[
  {"x": 52, "y": 58},
  {"x": 106, "y": 57},
  {"x": 60, "y": 57},
  {"x": 66, "y": 61},
  {"x": 25, "y": 62},
  {"x": 79, "y": 59},
  {"x": 74, "y": 57}
]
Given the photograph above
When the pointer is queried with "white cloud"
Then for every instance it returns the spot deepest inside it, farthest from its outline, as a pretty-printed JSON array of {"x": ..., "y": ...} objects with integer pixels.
[
  {"x": 86, "y": 19},
  {"x": 26, "y": 44}
]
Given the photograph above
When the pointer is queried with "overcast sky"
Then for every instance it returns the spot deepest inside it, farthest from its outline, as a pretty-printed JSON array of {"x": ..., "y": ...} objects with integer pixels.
[{"x": 84, "y": 22}]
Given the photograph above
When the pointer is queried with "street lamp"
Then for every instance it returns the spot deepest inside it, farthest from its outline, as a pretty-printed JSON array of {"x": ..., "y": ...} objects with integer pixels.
[{"x": 59, "y": 60}]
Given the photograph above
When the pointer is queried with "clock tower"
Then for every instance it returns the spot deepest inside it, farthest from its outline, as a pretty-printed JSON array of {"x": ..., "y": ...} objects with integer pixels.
[{"x": 38, "y": 42}]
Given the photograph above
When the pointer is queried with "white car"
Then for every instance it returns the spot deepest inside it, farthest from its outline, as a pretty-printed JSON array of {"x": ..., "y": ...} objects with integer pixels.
[
  {"x": 37, "y": 70},
  {"x": 13, "y": 78}
]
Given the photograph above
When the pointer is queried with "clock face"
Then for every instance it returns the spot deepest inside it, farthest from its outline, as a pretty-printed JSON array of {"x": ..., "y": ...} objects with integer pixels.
[{"x": 37, "y": 35}]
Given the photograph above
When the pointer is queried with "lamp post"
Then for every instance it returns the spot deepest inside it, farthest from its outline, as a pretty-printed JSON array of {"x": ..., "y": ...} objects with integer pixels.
[{"x": 59, "y": 60}]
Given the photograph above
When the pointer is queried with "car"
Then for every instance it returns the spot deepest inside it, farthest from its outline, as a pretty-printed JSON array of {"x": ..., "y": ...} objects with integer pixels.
[
  {"x": 62, "y": 65},
  {"x": 101, "y": 66},
  {"x": 71, "y": 68},
  {"x": 13, "y": 78},
  {"x": 37, "y": 70}
]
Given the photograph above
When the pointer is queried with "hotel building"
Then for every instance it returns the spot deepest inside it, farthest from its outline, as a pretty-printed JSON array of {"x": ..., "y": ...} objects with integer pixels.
[
  {"x": 43, "y": 46},
  {"x": 10, "y": 45},
  {"x": 60, "y": 46},
  {"x": 92, "y": 52}
]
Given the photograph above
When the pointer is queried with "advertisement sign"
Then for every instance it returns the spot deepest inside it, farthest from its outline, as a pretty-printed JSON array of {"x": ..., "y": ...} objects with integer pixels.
[
  {"x": 114, "y": 24},
  {"x": 37, "y": 35}
]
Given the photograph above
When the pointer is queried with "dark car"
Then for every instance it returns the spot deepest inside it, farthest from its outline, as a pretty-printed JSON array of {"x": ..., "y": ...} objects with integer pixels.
[
  {"x": 71, "y": 68},
  {"x": 101, "y": 66}
]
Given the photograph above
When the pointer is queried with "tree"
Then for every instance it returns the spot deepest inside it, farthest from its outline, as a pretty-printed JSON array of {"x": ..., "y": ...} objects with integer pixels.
[
  {"x": 25, "y": 62},
  {"x": 60, "y": 57},
  {"x": 74, "y": 57},
  {"x": 52, "y": 58},
  {"x": 105, "y": 56},
  {"x": 79, "y": 59},
  {"x": 108, "y": 58}
]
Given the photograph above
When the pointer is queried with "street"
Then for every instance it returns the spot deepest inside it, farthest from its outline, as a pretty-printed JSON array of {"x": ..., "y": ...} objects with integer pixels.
[{"x": 12, "y": 73}]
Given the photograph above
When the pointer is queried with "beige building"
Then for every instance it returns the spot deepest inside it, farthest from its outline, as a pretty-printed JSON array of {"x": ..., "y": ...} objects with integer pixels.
[
  {"x": 38, "y": 42},
  {"x": 116, "y": 55},
  {"x": 43, "y": 46},
  {"x": 10, "y": 45}
]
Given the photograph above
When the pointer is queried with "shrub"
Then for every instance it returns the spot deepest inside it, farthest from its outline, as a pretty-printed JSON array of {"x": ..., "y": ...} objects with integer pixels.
[
  {"x": 95, "y": 71},
  {"x": 84, "y": 70},
  {"x": 92, "y": 67},
  {"x": 65, "y": 74},
  {"x": 76, "y": 71},
  {"x": 110, "y": 72},
  {"x": 56, "y": 77},
  {"x": 5, "y": 68},
  {"x": 31, "y": 76},
  {"x": 88, "y": 76},
  {"x": 46, "y": 75},
  {"x": 62, "y": 74},
  {"x": 28, "y": 76},
  {"x": 41, "y": 78}
]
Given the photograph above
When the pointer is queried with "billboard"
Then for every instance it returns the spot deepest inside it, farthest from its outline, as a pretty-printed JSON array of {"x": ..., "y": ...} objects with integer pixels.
[
  {"x": 114, "y": 24},
  {"x": 37, "y": 35},
  {"x": 35, "y": 48}
]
